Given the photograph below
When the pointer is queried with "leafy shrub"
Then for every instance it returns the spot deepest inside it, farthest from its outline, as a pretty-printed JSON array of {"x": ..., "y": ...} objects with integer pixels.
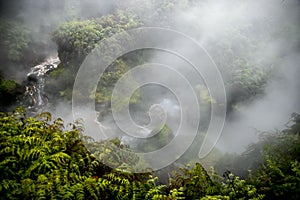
[
  {"x": 14, "y": 39},
  {"x": 9, "y": 92},
  {"x": 75, "y": 39},
  {"x": 279, "y": 176},
  {"x": 39, "y": 159},
  {"x": 43, "y": 159}
]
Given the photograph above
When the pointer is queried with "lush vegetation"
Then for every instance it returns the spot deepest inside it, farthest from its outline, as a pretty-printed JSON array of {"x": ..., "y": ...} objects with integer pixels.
[
  {"x": 75, "y": 39},
  {"x": 40, "y": 158},
  {"x": 43, "y": 158},
  {"x": 16, "y": 39},
  {"x": 10, "y": 91}
]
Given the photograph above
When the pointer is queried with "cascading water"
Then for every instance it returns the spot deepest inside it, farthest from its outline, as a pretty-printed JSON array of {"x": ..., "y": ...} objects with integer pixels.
[{"x": 34, "y": 98}]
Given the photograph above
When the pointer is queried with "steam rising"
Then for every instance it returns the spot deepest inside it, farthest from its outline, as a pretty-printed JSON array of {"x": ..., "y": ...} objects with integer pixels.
[
  {"x": 255, "y": 33},
  {"x": 259, "y": 34}
]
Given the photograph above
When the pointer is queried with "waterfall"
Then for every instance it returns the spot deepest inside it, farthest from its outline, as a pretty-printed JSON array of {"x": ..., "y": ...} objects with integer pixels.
[{"x": 34, "y": 97}]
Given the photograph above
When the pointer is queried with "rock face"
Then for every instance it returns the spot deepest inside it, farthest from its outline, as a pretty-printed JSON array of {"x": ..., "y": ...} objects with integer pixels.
[{"x": 34, "y": 96}]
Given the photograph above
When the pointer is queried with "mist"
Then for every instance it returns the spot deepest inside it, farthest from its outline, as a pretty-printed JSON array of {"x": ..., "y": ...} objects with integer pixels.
[
  {"x": 261, "y": 21},
  {"x": 249, "y": 32},
  {"x": 234, "y": 33}
]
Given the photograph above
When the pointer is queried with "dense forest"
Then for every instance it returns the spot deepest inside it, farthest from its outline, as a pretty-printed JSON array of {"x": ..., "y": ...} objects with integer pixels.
[{"x": 47, "y": 152}]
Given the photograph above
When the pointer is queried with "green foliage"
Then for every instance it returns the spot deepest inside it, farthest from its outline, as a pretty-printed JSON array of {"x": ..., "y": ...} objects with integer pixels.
[
  {"x": 75, "y": 39},
  {"x": 251, "y": 80},
  {"x": 14, "y": 39},
  {"x": 9, "y": 91},
  {"x": 78, "y": 38},
  {"x": 159, "y": 140},
  {"x": 108, "y": 152},
  {"x": 236, "y": 188},
  {"x": 279, "y": 176},
  {"x": 215, "y": 197},
  {"x": 155, "y": 12},
  {"x": 8, "y": 86},
  {"x": 59, "y": 83},
  {"x": 194, "y": 182},
  {"x": 294, "y": 125},
  {"x": 273, "y": 163},
  {"x": 40, "y": 158},
  {"x": 107, "y": 82}
]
